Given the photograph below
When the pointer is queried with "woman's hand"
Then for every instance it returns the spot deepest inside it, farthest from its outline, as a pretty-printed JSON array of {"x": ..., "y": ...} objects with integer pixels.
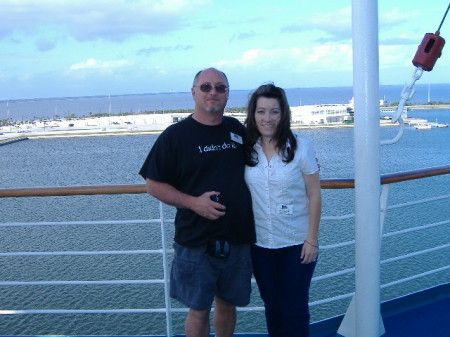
[{"x": 310, "y": 252}]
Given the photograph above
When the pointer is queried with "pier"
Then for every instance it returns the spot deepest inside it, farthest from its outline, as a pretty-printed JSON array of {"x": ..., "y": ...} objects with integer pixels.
[{"x": 7, "y": 141}]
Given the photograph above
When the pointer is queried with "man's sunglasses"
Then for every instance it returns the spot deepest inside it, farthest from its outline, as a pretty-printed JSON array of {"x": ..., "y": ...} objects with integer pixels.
[{"x": 206, "y": 87}]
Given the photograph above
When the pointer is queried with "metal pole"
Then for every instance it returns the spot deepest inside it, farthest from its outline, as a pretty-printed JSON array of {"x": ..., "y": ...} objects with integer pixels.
[
  {"x": 166, "y": 272},
  {"x": 367, "y": 173}
]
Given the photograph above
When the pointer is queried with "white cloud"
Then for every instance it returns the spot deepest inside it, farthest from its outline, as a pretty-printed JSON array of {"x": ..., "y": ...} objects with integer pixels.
[
  {"x": 336, "y": 24},
  {"x": 89, "y": 20},
  {"x": 327, "y": 59},
  {"x": 397, "y": 16},
  {"x": 336, "y": 21},
  {"x": 299, "y": 59},
  {"x": 394, "y": 56},
  {"x": 103, "y": 66},
  {"x": 331, "y": 56},
  {"x": 249, "y": 58}
]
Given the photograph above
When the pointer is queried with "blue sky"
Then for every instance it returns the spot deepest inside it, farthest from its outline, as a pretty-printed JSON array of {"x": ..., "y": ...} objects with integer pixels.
[{"x": 58, "y": 48}]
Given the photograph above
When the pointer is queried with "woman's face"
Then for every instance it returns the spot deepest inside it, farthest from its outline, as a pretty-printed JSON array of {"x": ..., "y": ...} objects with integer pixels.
[{"x": 267, "y": 116}]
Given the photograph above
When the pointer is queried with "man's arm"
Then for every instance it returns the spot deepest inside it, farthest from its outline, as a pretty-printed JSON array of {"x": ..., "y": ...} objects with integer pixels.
[{"x": 202, "y": 205}]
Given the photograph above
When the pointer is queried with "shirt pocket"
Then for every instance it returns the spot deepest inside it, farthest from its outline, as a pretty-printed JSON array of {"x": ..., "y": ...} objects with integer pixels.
[
  {"x": 254, "y": 177},
  {"x": 282, "y": 181}
]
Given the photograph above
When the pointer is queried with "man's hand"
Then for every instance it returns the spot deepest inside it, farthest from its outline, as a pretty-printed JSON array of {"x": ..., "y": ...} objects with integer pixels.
[
  {"x": 202, "y": 205},
  {"x": 205, "y": 207}
]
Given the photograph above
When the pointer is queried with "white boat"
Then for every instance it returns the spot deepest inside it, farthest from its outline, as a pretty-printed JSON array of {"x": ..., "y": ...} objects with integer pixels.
[
  {"x": 439, "y": 125},
  {"x": 423, "y": 126}
]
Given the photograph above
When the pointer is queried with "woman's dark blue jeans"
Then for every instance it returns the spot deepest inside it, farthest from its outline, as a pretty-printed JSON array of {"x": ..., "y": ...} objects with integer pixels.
[{"x": 283, "y": 283}]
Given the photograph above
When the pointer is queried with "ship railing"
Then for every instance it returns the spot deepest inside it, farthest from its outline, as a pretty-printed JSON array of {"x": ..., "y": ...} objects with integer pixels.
[{"x": 168, "y": 310}]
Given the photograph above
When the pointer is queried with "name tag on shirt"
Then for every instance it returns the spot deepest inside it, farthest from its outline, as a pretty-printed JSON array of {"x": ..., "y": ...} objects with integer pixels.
[
  {"x": 284, "y": 209},
  {"x": 236, "y": 138}
]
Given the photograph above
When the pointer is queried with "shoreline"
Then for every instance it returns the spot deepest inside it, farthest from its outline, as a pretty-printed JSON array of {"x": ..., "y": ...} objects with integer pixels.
[
  {"x": 145, "y": 124},
  {"x": 118, "y": 132},
  {"x": 428, "y": 107}
]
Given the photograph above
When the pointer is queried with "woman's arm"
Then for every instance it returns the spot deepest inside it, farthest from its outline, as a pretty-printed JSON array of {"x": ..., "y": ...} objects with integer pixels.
[{"x": 311, "y": 245}]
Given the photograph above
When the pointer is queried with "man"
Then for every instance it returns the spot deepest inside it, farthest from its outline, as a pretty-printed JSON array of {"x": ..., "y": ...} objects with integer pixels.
[{"x": 197, "y": 165}]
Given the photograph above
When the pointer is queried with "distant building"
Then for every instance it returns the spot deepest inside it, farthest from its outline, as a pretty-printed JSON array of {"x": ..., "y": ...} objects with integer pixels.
[{"x": 322, "y": 114}]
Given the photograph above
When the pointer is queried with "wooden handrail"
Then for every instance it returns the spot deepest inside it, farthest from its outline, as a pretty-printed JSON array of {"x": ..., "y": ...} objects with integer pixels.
[
  {"x": 417, "y": 174},
  {"x": 71, "y": 190},
  {"x": 337, "y": 183},
  {"x": 140, "y": 188},
  {"x": 389, "y": 178}
]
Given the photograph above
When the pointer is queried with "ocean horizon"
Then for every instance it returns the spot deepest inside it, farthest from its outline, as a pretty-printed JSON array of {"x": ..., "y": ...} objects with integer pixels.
[{"x": 61, "y": 107}]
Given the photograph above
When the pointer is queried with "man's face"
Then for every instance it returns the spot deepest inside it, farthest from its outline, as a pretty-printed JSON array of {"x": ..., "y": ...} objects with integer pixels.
[{"x": 216, "y": 98}]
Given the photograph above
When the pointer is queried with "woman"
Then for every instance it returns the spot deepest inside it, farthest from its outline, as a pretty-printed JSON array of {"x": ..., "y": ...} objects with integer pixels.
[{"x": 283, "y": 177}]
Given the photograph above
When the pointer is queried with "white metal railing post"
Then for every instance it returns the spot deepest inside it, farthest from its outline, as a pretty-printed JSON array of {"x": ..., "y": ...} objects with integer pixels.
[
  {"x": 367, "y": 168},
  {"x": 383, "y": 207},
  {"x": 166, "y": 273}
]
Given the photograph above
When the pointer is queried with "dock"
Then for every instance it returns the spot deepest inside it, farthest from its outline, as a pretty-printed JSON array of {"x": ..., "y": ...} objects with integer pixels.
[{"x": 7, "y": 141}]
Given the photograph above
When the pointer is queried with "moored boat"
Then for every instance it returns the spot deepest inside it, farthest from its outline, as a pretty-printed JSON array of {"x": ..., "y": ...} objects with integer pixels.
[{"x": 423, "y": 126}]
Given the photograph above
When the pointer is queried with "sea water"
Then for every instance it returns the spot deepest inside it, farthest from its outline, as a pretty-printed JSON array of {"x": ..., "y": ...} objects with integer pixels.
[
  {"x": 116, "y": 160},
  {"x": 51, "y": 108}
]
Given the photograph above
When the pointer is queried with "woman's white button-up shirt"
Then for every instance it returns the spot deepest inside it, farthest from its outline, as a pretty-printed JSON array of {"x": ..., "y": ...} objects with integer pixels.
[{"x": 280, "y": 203}]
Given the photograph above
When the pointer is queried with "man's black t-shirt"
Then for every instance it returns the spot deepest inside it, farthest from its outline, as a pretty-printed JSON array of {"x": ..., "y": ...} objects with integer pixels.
[{"x": 196, "y": 158}]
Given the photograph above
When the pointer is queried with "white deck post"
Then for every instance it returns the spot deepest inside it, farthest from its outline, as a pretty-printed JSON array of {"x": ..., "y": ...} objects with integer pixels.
[
  {"x": 166, "y": 272},
  {"x": 367, "y": 172}
]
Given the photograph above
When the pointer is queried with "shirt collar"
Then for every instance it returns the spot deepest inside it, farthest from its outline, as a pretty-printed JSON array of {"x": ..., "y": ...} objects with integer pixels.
[{"x": 258, "y": 143}]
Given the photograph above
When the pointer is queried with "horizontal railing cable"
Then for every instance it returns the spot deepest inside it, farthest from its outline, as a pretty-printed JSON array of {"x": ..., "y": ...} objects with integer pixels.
[
  {"x": 80, "y": 223},
  {"x": 163, "y": 310},
  {"x": 412, "y": 203},
  {"x": 421, "y": 252},
  {"x": 99, "y": 282},
  {"x": 415, "y": 277},
  {"x": 317, "y": 278},
  {"x": 393, "y": 259},
  {"x": 414, "y": 229},
  {"x": 84, "y": 252}
]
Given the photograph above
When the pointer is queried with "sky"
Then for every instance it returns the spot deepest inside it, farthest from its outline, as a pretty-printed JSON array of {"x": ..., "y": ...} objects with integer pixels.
[{"x": 59, "y": 48}]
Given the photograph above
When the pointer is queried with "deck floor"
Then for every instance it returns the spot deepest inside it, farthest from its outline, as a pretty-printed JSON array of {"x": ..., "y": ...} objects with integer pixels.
[
  {"x": 429, "y": 320},
  {"x": 423, "y": 314}
]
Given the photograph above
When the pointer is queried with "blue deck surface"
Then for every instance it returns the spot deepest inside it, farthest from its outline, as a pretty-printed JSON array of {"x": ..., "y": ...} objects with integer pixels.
[
  {"x": 422, "y": 314},
  {"x": 429, "y": 320}
]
